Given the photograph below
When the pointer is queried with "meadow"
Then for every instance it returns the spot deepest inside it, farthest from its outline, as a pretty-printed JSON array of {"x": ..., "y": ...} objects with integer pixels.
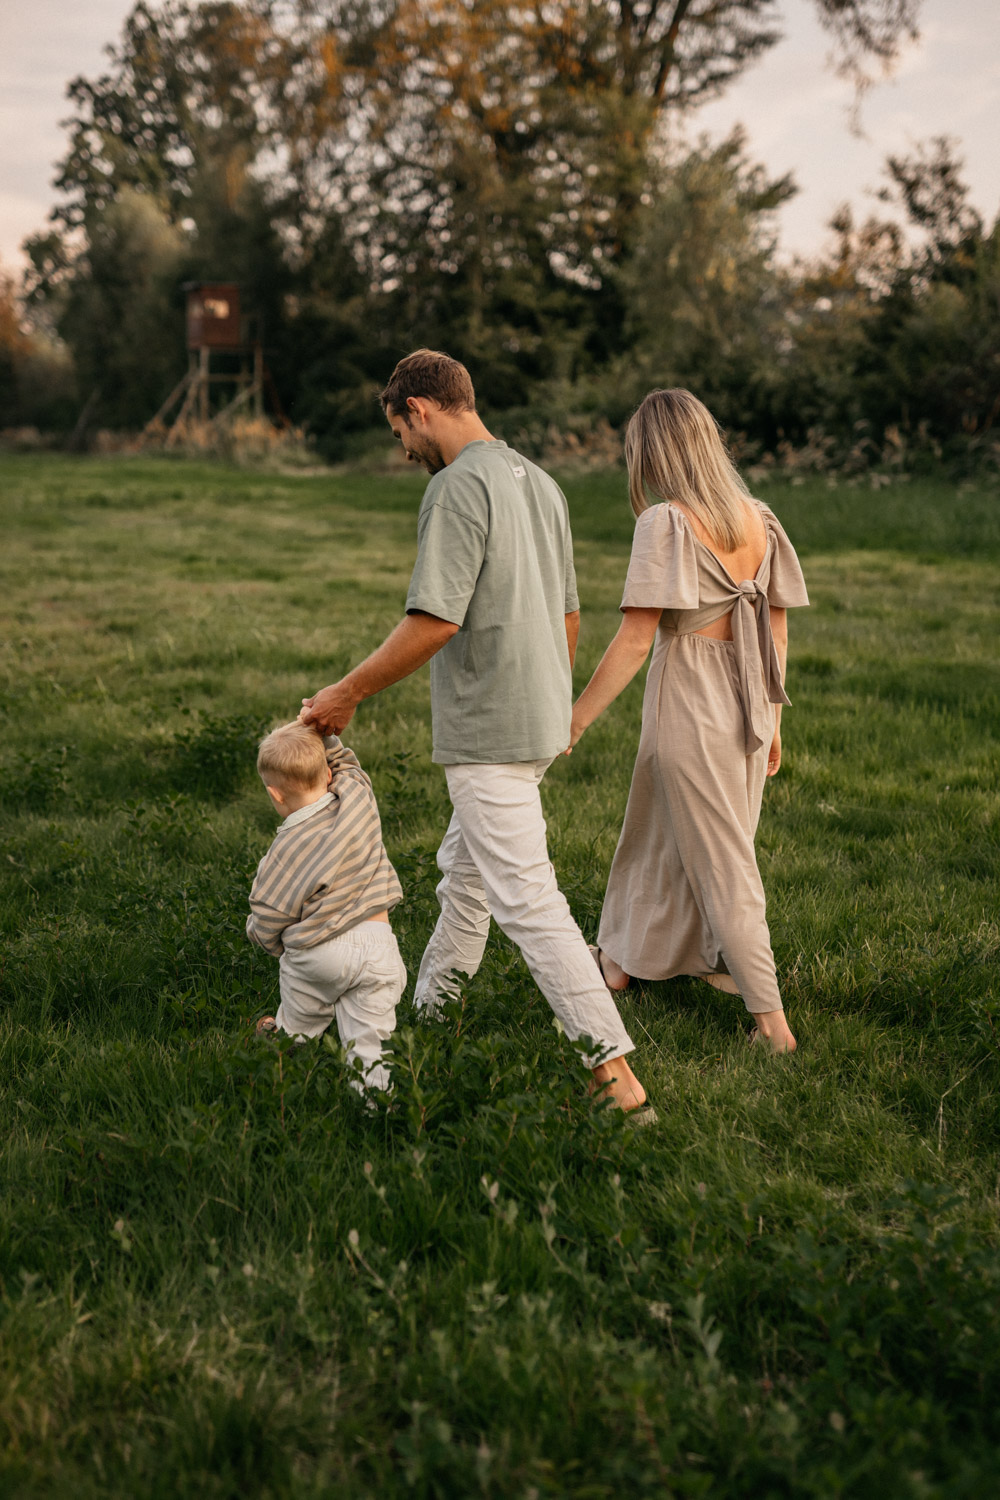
[{"x": 221, "y": 1276}]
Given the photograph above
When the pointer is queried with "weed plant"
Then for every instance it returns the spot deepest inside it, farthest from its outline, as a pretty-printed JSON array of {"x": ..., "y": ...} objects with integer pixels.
[{"x": 221, "y": 1275}]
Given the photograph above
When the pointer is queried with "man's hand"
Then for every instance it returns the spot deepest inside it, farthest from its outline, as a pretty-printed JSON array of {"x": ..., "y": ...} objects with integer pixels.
[
  {"x": 414, "y": 641},
  {"x": 331, "y": 709}
]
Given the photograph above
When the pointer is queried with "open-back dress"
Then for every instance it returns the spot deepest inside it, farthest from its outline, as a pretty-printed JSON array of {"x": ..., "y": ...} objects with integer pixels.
[{"x": 684, "y": 895}]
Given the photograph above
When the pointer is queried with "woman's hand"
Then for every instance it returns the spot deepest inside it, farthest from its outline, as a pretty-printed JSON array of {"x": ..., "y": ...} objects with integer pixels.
[
  {"x": 576, "y": 729},
  {"x": 774, "y": 755}
]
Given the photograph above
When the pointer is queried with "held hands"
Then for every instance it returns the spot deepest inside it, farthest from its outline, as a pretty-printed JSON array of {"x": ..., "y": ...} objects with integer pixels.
[
  {"x": 331, "y": 709},
  {"x": 774, "y": 755}
]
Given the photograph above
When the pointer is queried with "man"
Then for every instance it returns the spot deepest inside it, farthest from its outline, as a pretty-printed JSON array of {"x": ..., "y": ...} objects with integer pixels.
[{"x": 492, "y": 605}]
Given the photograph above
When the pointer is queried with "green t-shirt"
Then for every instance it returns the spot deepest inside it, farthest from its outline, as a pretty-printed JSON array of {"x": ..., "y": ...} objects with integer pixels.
[{"x": 495, "y": 557}]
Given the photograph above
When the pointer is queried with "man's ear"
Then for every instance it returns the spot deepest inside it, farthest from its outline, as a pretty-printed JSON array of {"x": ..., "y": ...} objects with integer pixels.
[{"x": 419, "y": 408}]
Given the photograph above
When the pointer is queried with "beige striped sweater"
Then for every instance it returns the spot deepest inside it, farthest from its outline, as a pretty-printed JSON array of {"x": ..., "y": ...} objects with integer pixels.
[{"x": 327, "y": 869}]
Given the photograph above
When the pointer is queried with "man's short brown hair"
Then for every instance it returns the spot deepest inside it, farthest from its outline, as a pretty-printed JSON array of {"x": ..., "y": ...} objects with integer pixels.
[{"x": 428, "y": 373}]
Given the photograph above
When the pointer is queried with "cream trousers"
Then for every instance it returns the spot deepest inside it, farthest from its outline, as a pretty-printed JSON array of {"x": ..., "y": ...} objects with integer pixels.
[
  {"x": 355, "y": 978},
  {"x": 494, "y": 859}
]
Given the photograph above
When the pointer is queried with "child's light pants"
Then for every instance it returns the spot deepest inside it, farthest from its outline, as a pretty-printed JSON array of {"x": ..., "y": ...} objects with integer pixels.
[
  {"x": 494, "y": 858},
  {"x": 356, "y": 978}
]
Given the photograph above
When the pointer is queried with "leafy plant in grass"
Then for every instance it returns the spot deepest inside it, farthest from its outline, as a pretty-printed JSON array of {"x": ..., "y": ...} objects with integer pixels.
[
  {"x": 37, "y": 782},
  {"x": 215, "y": 757}
]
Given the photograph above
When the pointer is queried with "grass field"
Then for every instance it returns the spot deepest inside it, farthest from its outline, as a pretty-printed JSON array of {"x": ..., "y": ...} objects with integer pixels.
[{"x": 219, "y": 1277}]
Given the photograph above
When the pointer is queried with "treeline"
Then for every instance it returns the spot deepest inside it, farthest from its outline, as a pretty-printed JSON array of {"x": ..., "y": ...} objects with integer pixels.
[{"x": 494, "y": 180}]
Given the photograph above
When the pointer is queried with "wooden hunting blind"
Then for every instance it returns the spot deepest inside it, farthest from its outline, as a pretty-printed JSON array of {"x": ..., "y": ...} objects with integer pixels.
[
  {"x": 226, "y": 368},
  {"x": 213, "y": 315}
]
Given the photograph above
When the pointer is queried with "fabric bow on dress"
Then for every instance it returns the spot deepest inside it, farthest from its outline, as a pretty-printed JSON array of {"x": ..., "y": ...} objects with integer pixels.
[{"x": 756, "y": 661}]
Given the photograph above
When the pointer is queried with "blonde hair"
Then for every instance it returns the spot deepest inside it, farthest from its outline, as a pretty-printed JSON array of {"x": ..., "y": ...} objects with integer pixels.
[
  {"x": 292, "y": 756},
  {"x": 674, "y": 450}
]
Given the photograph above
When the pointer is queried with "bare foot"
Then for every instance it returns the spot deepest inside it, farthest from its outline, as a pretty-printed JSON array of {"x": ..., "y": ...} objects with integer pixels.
[
  {"x": 774, "y": 1029},
  {"x": 615, "y": 1082},
  {"x": 613, "y": 975}
]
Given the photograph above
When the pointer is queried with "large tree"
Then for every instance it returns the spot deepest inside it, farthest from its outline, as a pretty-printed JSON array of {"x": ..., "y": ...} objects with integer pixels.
[{"x": 484, "y": 166}]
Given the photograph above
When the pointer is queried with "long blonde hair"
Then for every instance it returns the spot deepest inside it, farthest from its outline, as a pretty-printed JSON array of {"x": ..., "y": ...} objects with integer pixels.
[{"x": 674, "y": 450}]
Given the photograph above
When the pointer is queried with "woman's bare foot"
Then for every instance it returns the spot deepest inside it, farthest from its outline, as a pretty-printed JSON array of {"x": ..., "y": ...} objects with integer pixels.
[
  {"x": 615, "y": 1081},
  {"x": 613, "y": 975},
  {"x": 772, "y": 1026}
]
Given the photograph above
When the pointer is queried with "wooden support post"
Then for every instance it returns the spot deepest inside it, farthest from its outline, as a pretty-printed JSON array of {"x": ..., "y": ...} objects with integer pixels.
[
  {"x": 258, "y": 381},
  {"x": 204, "y": 387}
]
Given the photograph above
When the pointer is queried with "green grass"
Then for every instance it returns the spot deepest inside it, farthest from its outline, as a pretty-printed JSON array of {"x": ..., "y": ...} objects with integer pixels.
[{"x": 220, "y": 1277}]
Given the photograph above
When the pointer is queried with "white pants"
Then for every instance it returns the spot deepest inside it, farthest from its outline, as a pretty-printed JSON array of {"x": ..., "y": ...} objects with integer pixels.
[
  {"x": 356, "y": 978},
  {"x": 494, "y": 858}
]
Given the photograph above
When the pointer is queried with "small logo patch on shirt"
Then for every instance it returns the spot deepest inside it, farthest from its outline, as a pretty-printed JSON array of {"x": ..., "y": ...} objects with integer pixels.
[{"x": 519, "y": 471}]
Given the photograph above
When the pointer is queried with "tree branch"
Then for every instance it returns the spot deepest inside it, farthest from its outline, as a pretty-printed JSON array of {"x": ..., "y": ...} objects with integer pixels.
[{"x": 669, "y": 55}]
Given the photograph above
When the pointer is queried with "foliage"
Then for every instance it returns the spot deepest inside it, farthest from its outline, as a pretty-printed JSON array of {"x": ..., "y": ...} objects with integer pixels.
[
  {"x": 707, "y": 303},
  {"x": 221, "y": 1274},
  {"x": 121, "y": 314},
  {"x": 379, "y": 174},
  {"x": 897, "y": 339},
  {"x": 37, "y": 383},
  {"x": 217, "y": 755}
]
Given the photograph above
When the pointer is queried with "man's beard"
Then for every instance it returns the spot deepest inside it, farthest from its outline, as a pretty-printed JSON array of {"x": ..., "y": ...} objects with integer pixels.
[{"x": 430, "y": 456}]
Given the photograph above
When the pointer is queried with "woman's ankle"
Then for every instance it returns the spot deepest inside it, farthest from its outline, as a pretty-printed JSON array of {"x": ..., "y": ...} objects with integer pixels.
[{"x": 613, "y": 974}]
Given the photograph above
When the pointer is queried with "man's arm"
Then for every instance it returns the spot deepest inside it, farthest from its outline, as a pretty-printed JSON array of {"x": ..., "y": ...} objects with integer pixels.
[
  {"x": 414, "y": 641},
  {"x": 572, "y": 633}
]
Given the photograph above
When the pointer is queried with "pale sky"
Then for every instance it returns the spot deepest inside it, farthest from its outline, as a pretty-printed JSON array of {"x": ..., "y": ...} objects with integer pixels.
[{"x": 794, "y": 108}]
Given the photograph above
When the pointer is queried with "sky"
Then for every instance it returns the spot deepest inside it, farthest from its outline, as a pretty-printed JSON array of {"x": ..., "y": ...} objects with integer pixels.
[{"x": 796, "y": 112}]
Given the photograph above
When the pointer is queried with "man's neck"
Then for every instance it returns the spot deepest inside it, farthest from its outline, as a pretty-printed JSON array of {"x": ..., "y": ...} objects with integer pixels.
[{"x": 460, "y": 430}]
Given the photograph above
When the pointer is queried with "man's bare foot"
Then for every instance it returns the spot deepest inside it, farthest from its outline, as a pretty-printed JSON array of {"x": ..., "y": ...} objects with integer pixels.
[
  {"x": 615, "y": 1082},
  {"x": 613, "y": 975},
  {"x": 774, "y": 1029}
]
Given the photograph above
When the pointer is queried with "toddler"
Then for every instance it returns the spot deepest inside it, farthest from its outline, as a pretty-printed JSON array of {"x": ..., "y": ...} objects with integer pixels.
[{"x": 321, "y": 898}]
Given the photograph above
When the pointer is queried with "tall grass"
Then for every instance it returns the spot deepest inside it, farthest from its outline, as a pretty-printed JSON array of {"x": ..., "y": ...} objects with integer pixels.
[{"x": 220, "y": 1275}]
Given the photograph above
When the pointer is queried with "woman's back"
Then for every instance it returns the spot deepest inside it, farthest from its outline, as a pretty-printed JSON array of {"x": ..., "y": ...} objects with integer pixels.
[{"x": 743, "y": 562}]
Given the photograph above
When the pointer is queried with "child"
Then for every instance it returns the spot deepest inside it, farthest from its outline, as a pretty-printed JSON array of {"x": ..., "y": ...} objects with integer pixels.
[{"x": 321, "y": 898}]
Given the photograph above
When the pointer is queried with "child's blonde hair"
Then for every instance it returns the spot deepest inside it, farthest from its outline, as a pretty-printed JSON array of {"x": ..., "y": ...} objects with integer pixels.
[
  {"x": 673, "y": 448},
  {"x": 292, "y": 756}
]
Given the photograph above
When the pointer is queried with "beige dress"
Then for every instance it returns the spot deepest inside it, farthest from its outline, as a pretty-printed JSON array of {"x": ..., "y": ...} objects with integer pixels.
[{"x": 684, "y": 894}]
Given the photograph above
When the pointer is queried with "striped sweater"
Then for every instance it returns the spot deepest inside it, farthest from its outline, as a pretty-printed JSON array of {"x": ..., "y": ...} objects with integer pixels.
[{"x": 327, "y": 869}]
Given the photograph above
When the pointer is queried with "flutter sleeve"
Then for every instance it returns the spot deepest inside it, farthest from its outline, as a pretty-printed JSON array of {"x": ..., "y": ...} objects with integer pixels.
[
  {"x": 663, "y": 568},
  {"x": 786, "y": 587}
]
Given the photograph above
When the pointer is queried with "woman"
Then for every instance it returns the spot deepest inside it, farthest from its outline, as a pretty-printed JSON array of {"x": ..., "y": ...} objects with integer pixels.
[{"x": 710, "y": 577}]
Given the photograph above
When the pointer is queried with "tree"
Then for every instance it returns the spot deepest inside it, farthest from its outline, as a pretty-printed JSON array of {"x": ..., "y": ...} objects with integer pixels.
[
  {"x": 123, "y": 315},
  {"x": 706, "y": 302},
  {"x": 483, "y": 167},
  {"x": 935, "y": 346}
]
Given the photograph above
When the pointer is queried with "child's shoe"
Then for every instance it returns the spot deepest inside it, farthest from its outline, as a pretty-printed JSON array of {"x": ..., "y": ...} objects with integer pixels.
[{"x": 266, "y": 1025}]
